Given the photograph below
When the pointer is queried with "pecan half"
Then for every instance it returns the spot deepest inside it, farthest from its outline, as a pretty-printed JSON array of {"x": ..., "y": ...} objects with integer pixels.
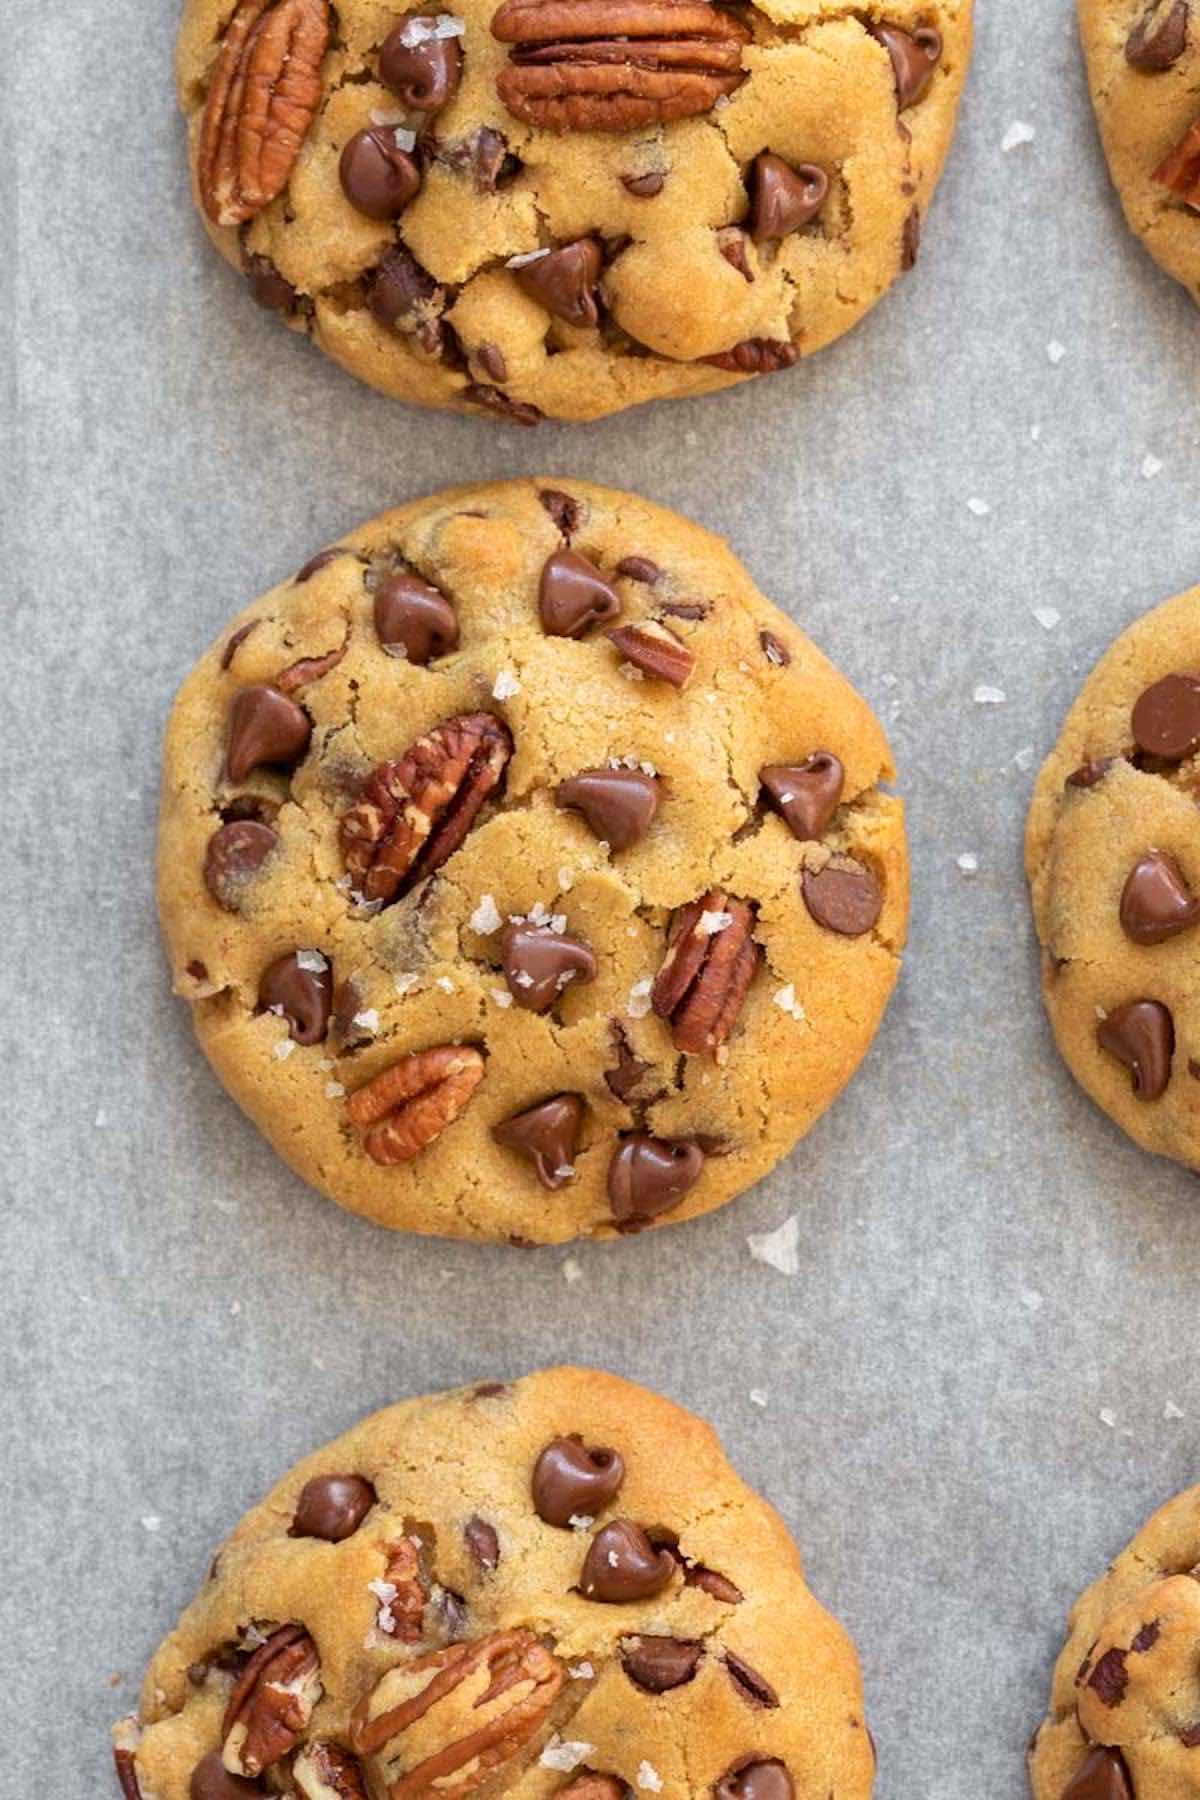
[
  {"x": 272, "y": 1702},
  {"x": 415, "y": 813},
  {"x": 614, "y": 65},
  {"x": 756, "y": 356},
  {"x": 326, "y": 1772},
  {"x": 453, "y": 1718},
  {"x": 263, "y": 99},
  {"x": 407, "y": 1107},
  {"x": 710, "y": 963}
]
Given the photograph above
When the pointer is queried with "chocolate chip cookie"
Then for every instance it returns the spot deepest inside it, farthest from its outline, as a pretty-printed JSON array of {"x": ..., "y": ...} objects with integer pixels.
[
  {"x": 1143, "y": 60},
  {"x": 1124, "y": 1719},
  {"x": 1112, "y": 855},
  {"x": 566, "y": 207},
  {"x": 557, "y": 1587},
  {"x": 528, "y": 874}
]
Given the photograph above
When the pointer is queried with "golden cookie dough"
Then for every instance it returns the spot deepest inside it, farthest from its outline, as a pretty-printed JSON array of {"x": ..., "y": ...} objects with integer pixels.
[
  {"x": 681, "y": 1088},
  {"x": 523, "y": 270},
  {"x": 555, "y": 1587},
  {"x": 1114, "y": 862},
  {"x": 1143, "y": 59},
  {"x": 1124, "y": 1721}
]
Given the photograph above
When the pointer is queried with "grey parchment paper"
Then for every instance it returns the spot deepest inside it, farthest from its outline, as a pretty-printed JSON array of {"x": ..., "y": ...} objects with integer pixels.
[{"x": 984, "y": 1375}]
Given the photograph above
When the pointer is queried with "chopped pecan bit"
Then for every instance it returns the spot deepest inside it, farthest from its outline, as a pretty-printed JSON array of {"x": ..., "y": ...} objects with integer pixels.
[
  {"x": 402, "y": 1612},
  {"x": 656, "y": 651},
  {"x": 272, "y": 1702},
  {"x": 612, "y": 65},
  {"x": 409, "y": 1105},
  {"x": 756, "y": 356},
  {"x": 326, "y": 1772},
  {"x": 710, "y": 962},
  {"x": 1180, "y": 171},
  {"x": 477, "y": 1705},
  {"x": 263, "y": 99},
  {"x": 710, "y": 1582},
  {"x": 413, "y": 814}
]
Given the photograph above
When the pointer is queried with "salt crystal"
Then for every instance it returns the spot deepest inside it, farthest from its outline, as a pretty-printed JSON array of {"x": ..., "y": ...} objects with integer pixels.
[
  {"x": 383, "y": 116},
  {"x": 1055, "y": 351},
  {"x": 505, "y": 685},
  {"x": 581, "y": 1521},
  {"x": 1108, "y": 1417},
  {"x": 502, "y": 997},
  {"x": 445, "y": 983},
  {"x": 1032, "y": 1299},
  {"x": 523, "y": 978},
  {"x": 486, "y": 917},
  {"x": 284, "y": 1048},
  {"x": 312, "y": 961},
  {"x": 712, "y": 923},
  {"x": 566, "y": 880},
  {"x": 785, "y": 999},
  {"x": 1017, "y": 134},
  {"x": 1171, "y": 1411},
  {"x": 421, "y": 30},
  {"x": 405, "y": 140},
  {"x": 1047, "y": 617},
  {"x": 558, "y": 923},
  {"x": 1024, "y": 758},
  {"x": 758, "y": 1396},
  {"x": 405, "y": 983},
  {"x": 779, "y": 1249},
  {"x": 1035, "y": 434},
  {"x": 334, "y": 1090},
  {"x": 581, "y": 1671},
  {"x": 979, "y": 507},
  {"x": 367, "y": 1020},
  {"x": 638, "y": 1004},
  {"x": 1152, "y": 466},
  {"x": 151, "y": 1522},
  {"x": 989, "y": 696},
  {"x": 571, "y": 1272},
  {"x": 563, "y": 1756},
  {"x": 968, "y": 863},
  {"x": 526, "y": 257},
  {"x": 648, "y": 1777}
]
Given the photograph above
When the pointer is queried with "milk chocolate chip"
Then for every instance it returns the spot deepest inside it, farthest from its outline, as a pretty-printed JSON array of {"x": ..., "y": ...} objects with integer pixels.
[
  {"x": 808, "y": 793},
  {"x": 572, "y": 1481},
  {"x": 1103, "y": 1776},
  {"x": 265, "y": 728},
  {"x": 622, "y": 1566},
  {"x": 756, "y": 1779},
  {"x": 573, "y": 595},
  {"x": 539, "y": 964},
  {"x": 915, "y": 55},
  {"x": 658, "y": 1664},
  {"x": 1141, "y": 1034},
  {"x": 211, "y": 1780},
  {"x": 301, "y": 991},
  {"x": 332, "y": 1507},
  {"x": 423, "y": 71},
  {"x": 1157, "y": 903},
  {"x": 1159, "y": 38},
  {"x": 649, "y": 1176},
  {"x": 785, "y": 198},
  {"x": 235, "y": 853},
  {"x": 618, "y": 804},
  {"x": 378, "y": 178},
  {"x": 413, "y": 619},
  {"x": 564, "y": 281},
  {"x": 547, "y": 1135},
  {"x": 843, "y": 896},
  {"x": 1166, "y": 718}
]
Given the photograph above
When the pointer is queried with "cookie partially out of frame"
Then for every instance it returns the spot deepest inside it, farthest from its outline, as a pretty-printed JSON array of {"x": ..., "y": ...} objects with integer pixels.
[
  {"x": 554, "y": 1588},
  {"x": 1143, "y": 59},
  {"x": 1124, "y": 1721},
  {"x": 527, "y": 873},
  {"x": 566, "y": 207}
]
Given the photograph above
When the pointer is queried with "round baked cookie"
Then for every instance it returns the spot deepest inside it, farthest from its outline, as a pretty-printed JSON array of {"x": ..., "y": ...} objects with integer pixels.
[
  {"x": 1143, "y": 59},
  {"x": 555, "y": 1587},
  {"x": 566, "y": 207},
  {"x": 527, "y": 872},
  {"x": 1124, "y": 1721},
  {"x": 1114, "y": 860}
]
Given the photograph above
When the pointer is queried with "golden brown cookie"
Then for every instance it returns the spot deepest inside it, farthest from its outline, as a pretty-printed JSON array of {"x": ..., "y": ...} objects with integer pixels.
[
  {"x": 557, "y": 1587},
  {"x": 528, "y": 873},
  {"x": 566, "y": 207},
  {"x": 1124, "y": 1721},
  {"x": 1143, "y": 59},
  {"x": 1113, "y": 857}
]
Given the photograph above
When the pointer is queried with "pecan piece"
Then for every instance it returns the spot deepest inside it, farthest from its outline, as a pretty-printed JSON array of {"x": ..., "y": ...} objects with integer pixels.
[
  {"x": 413, "y": 814},
  {"x": 263, "y": 99},
  {"x": 654, "y": 650},
  {"x": 710, "y": 963},
  {"x": 1180, "y": 171},
  {"x": 402, "y": 1612},
  {"x": 614, "y": 65},
  {"x": 272, "y": 1702},
  {"x": 756, "y": 356},
  {"x": 460, "y": 1713},
  {"x": 409, "y": 1105},
  {"x": 326, "y": 1772}
]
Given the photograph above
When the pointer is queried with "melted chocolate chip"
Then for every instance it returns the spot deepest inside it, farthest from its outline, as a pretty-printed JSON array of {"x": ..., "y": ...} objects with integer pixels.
[
  {"x": 378, "y": 178},
  {"x": 316, "y": 563},
  {"x": 750, "y": 1684},
  {"x": 236, "y": 641},
  {"x": 1159, "y": 37},
  {"x": 1157, "y": 903},
  {"x": 1103, "y": 1776},
  {"x": 235, "y": 853},
  {"x": 649, "y": 1176},
  {"x": 403, "y": 296},
  {"x": 572, "y": 1481},
  {"x": 1090, "y": 774},
  {"x": 562, "y": 509},
  {"x": 332, "y": 1507},
  {"x": 304, "y": 996},
  {"x": 483, "y": 1543},
  {"x": 618, "y": 804},
  {"x": 211, "y": 1780},
  {"x": 644, "y": 187},
  {"x": 808, "y": 794},
  {"x": 490, "y": 358},
  {"x": 1110, "y": 1678},
  {"x": 413, "y": 618},
  {"x": 659, "y": 1664},
  {"x": 564, "y": 281},
  {"x": 547, "y": 1135},
  {"x": 785, "y": 198},
  {"x": 843, "y": 896},
  {"x": 716, "y": 1586},
  {"x": 910, "y": 241},
  {"x": 639, "y": 568},
  {"x": 756, "y": 1779},
  {"x": 622, "y": 1566},
  {"x": 915, "y": 55},
  {"x": 273, "y": 292},
  {"x": 1166, "y": 718},
  {"x": 540, "y": 963},
  {"x": 424, "y": 75},
  {"x": 573, "y": 594},
  {"x": 265, "y": 728},
  {"x": 1141, "y": 1035}
]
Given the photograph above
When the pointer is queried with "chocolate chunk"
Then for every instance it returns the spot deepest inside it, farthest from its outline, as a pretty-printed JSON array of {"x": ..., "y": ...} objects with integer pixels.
[
  {"x": 1157, "y": 903},
  {"x": 659, "y": 1664},
  {"x": 785, "y": 198},
  {"x": 562, "y": 509},
  {"x": 316, "y": 563},
  {"x": 564, "y": 281},
  {"x": 378, "y": 178},
  {"x": 272, "y": 290},
  {"x": 716, "y": 1586},
  {"x": 413, "y": 618},
  {"x": 332, "y": 1507},
  {"x": 547, "y": 1135},
  {"x": 1159, "y": 38},
  {"x": 639, "y": 568},
  {"x": 808, "y": 793},
  {"x": 622, "y": 1566},
  {"x": 618, "y": 804},
  {"x": 843, "y": 896},
  {"x": 236, "y": 641},
  {"x": 424, "y": 75},
  {"x": 1166, "y": 718},
  {"x": 573, "y": 594},
  {"x": 540, "y": 963},
  {"x": 265, "y": 727},
  {"x": 1090, "y": 774},
  {"x": 649, "y": 1176},
  {"x": 1141, "y": 1034},
  {"x": 756, "y": 1779},
  {"x": 644, "y": 187},
  {"x": 211, "y": 1780},
  {"x": 573, "y": 1481},
  {"x": 1103, "y": 1776},
  {"x": 915, "y": 55},
  {"x": 303, "y": 995},
  {"x": 490, "y": 358},
  {"x": 750, "y": 1683},
  {"x": 774, "y": 649},
  {"x": 483, "y": 1543},
  {"x": 1109, "y": 1679},
  {"x": 235, "y": 853}
]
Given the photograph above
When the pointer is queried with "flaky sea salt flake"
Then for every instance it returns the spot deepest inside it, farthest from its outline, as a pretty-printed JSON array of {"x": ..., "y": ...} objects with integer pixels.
[
  {"x": 1017, "y": 134},
  {"x": 367, "y": 1020},
  {"x": 1171, "y": 1411},
  {"x": 979, "y": 507},
  {"x": 779, "y": 1249},
  {"x": 968, "y": 863},
  {"x": 283, "y": 1049},
  {"x": 505, "y": 685},
  {"x": 711, "y": 923},
  {"x": 785, "y": 999},
  {"x": 649, "y": 1778},
  {"x": 638, "y": 1004},
  {"x": 564, "y": 1757},
  {"x": 487, "y": 917},
  {"x": 1152, "y": 466},
  {"x": 987, "y": 695}
]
